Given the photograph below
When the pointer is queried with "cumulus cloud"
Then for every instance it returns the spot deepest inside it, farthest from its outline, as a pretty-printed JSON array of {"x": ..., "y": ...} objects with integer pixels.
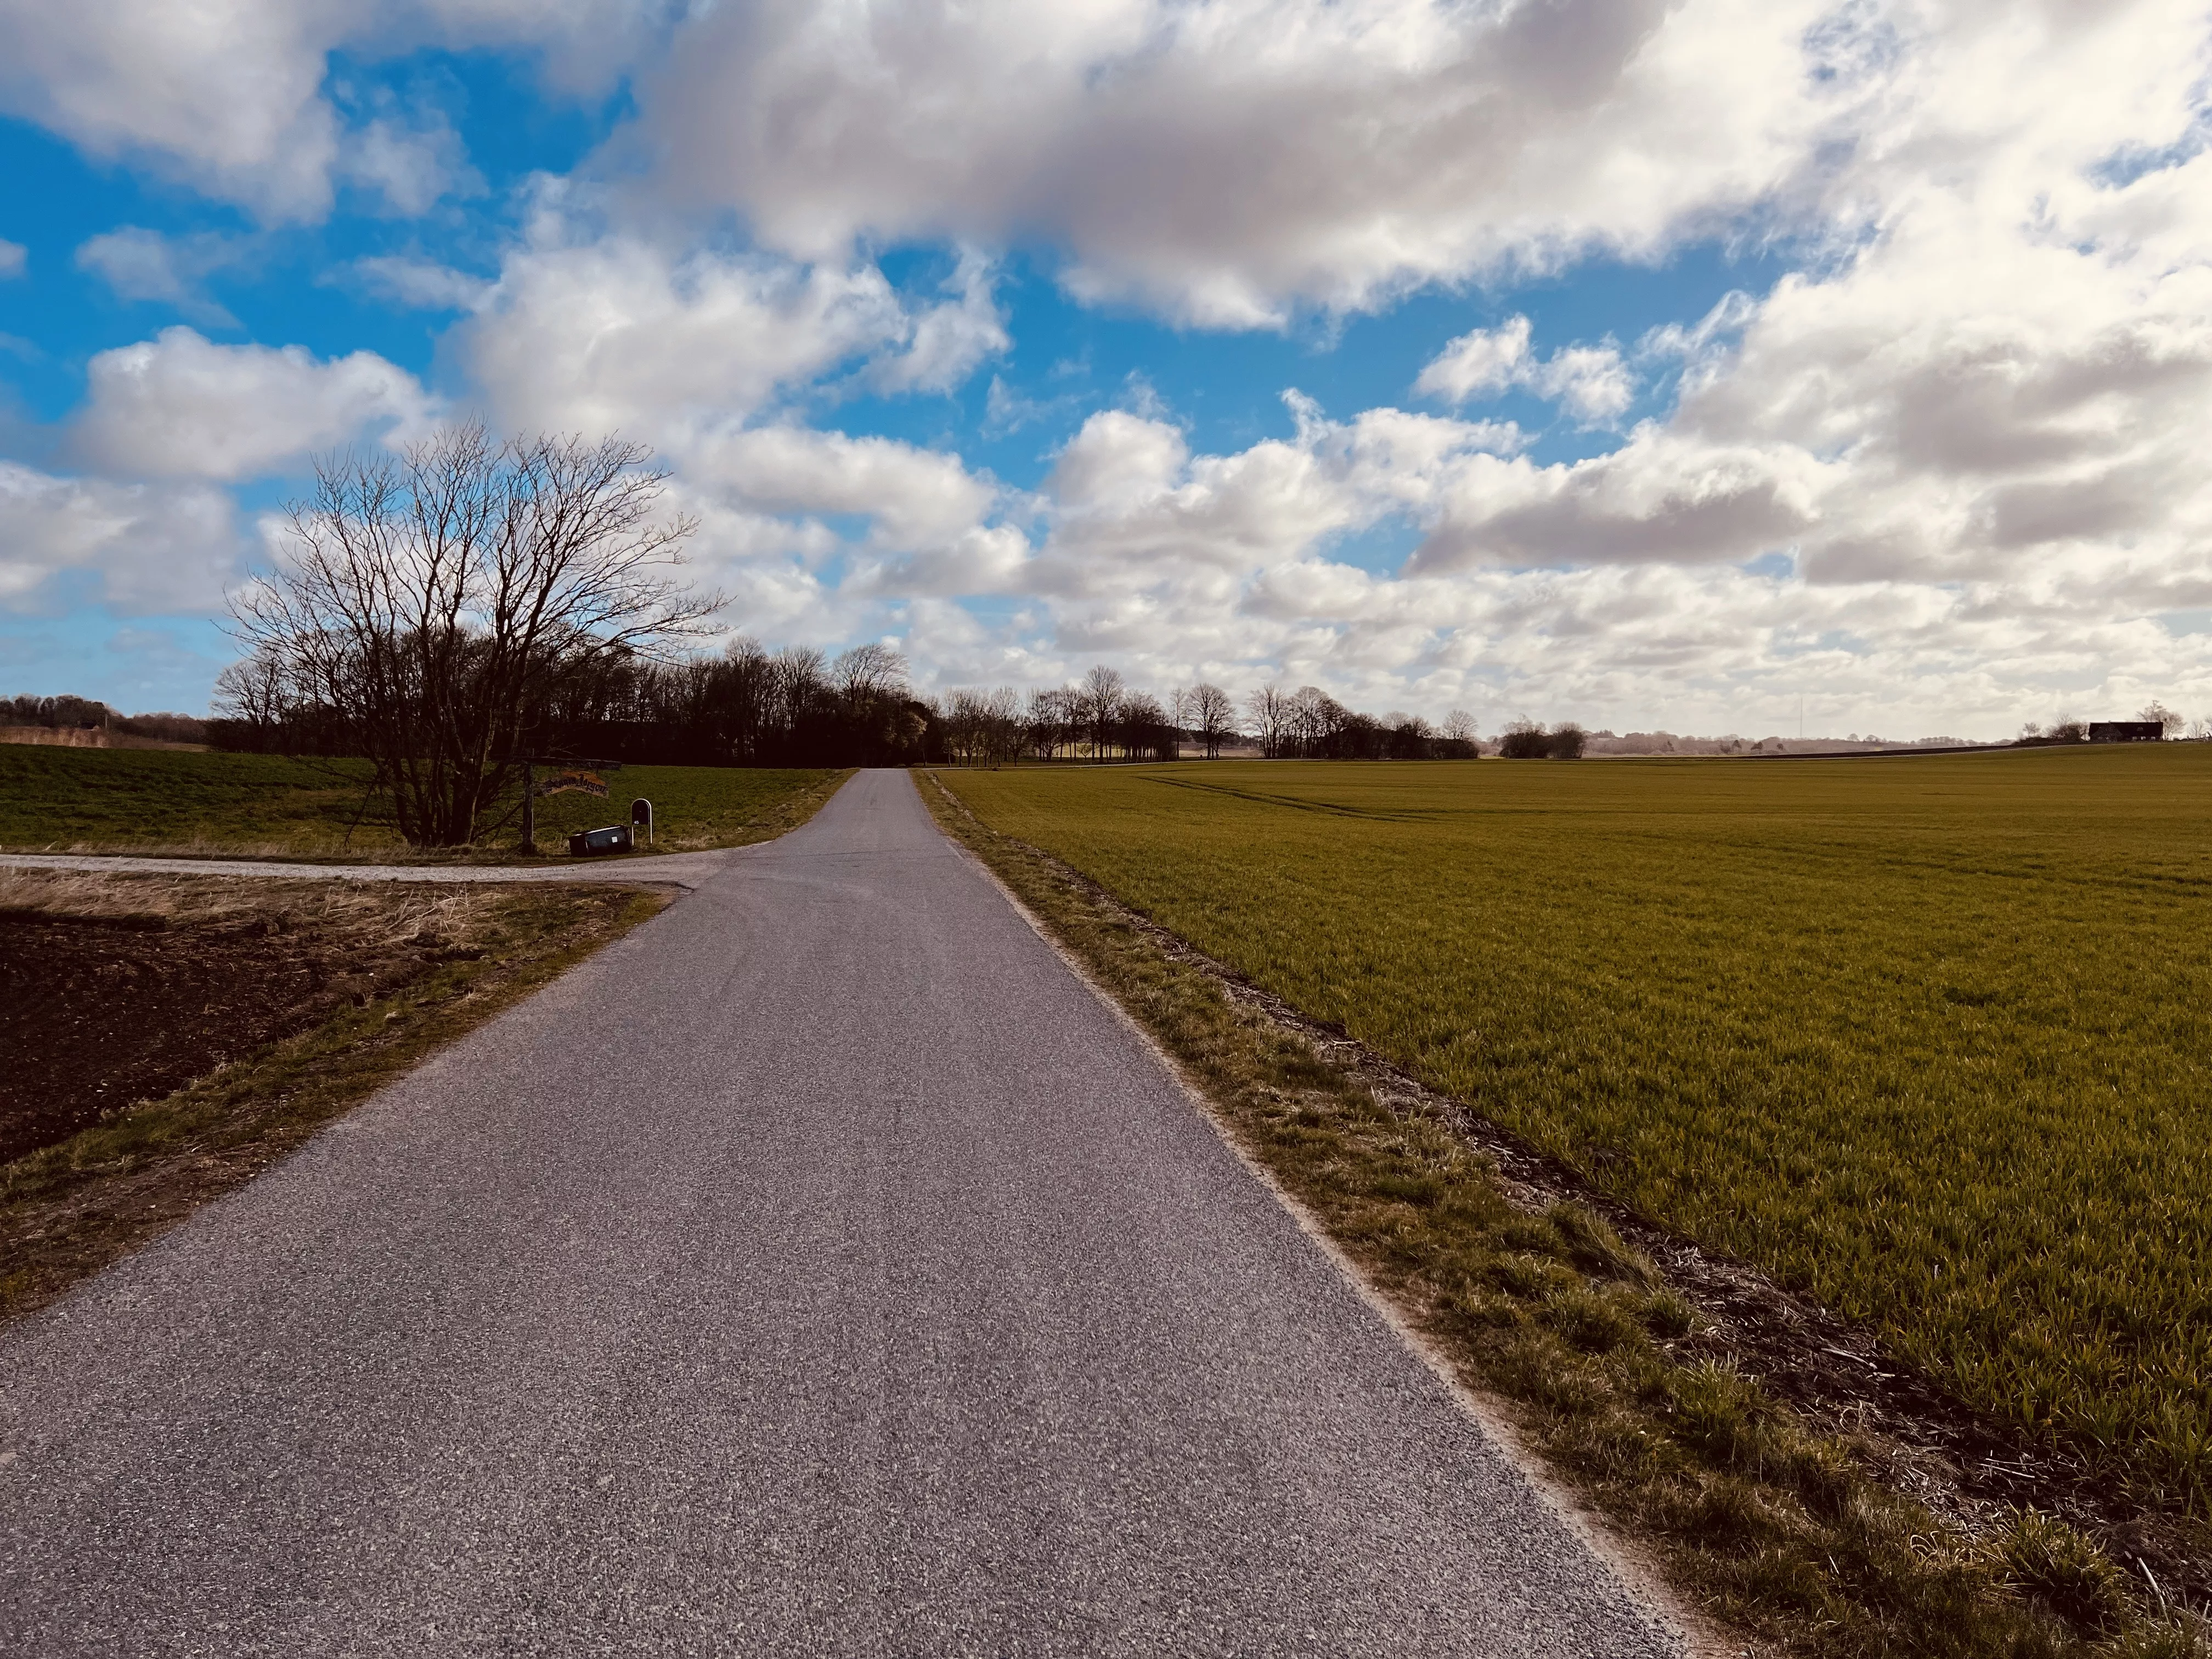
[
  {"x": 1227, "y": 159},
  {"x": 616, "y": 334},
  {"x": 1591, "y": 382},
  {"x": 142, "y": 264},
  {"x": 596, "y": 328},
  {"x": 418, "y": 284},
  {"x": 1130, "y": 503},
  {"x": 2003, "y": 386},
  {"x": 228, "y": 97},
  {"x": 915, "y": 498},
  {"x": 139, "y": 547},
  {"x": 15, "y": 259},
  {"x": 1481, "y": 363},
  {"x": 409, "y": 160},
  {"x": 945, "y": 342},
  {"x": 179, "y": 406},
  {"x": 1247, "y": 567}
]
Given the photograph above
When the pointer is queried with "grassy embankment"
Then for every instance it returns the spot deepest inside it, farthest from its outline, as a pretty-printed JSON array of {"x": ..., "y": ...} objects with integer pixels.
[
  {"x": 1923, "y": 1038},
  {"x": 94, "y": 800}
]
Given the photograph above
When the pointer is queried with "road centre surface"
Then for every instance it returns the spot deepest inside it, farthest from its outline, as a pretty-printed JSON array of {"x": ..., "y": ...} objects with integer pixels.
[{"x": 822, "y": 1268}]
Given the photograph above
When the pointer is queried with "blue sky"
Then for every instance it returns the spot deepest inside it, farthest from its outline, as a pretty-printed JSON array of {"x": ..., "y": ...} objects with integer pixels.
[{"x": 1635, "y": 373}]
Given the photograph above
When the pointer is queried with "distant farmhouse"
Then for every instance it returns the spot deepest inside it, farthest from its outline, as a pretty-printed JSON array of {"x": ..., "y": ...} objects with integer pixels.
[{"x": 2126, "y": 730}]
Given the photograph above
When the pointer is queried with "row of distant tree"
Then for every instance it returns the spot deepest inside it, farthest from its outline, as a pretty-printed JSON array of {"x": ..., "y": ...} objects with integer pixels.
[
  {"x": 83, "y": 714},
  {"x": 1100, "y": 717},
  {"x": 747, "y": 706},
  {"x": 2071, "y": 728}
]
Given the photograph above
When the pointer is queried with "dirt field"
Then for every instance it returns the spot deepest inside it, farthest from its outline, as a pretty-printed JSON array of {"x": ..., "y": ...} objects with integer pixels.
[
  {"x": 115, "y": 991},
  {"x": 169, "y": 1036}
]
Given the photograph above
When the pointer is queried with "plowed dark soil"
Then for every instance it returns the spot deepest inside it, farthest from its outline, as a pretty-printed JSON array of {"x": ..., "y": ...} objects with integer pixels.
[{"x": 98, "y": 1012}]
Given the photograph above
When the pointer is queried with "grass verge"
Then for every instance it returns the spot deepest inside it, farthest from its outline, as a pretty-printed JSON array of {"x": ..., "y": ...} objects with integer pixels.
[
  {"x": 68, "y": 1210},
  {"x": 1769, "y": 1520},
  {"x": 174, "y": 804}
]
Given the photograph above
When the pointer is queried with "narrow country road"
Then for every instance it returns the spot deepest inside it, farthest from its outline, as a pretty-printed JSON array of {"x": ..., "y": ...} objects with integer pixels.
[{"x": 821, "y": 1269}]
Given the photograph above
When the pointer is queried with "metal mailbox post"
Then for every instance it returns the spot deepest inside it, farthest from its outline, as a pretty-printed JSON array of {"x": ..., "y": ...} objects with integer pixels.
[{"x": 641, "y": 818}]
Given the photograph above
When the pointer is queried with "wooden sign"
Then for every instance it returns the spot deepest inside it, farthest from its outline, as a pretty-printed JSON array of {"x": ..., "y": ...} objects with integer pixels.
[{"x": 576, "y": 783}]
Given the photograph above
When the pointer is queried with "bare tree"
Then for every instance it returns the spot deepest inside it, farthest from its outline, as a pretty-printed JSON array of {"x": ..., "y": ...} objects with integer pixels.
[
  {"x": 1459, "y": 726},
  {"x": 1102, "y": 691},
  {"x": 1316, "y": 718},
  {"x": 1212, "y": 716},
  {"x": 1270, "y": 708},
  {"x": 1146, "y": 730},
  {"x": 868, "y": 673},
  {"x": 433, "y": 600},
  {"x": 1048, "y": 722},
  {"x": 254, "y": 689},
  {"x": 2170, "y": 724},
  {"x": 983, "y": 728},
  {"x": 799, "y": 681}
]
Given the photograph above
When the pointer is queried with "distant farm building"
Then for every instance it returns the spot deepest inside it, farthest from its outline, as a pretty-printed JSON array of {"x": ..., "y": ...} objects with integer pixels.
[{"x": 2125, "y": 731}]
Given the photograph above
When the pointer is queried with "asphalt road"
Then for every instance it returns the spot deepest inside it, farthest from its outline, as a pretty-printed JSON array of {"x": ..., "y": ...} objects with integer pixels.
[{"x": 821, "y": 1269}]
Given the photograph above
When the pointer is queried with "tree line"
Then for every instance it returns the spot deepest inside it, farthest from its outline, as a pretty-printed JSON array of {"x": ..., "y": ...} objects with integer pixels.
[
  {"x": 455, "y": 609},
  {"x": 84, "y": 713},
  {"x": 747, "y": 706}
]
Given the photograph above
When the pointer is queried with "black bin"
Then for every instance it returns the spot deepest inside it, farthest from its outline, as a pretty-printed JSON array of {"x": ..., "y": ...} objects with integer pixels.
[{"x": 615, "y": 838}]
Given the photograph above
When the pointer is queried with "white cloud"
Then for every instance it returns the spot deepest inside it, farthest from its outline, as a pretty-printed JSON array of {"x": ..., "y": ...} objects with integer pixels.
[
  {"x": 410, "y": 162},
  {"x": 419, "y": 284},
  {"x": 615, "y": 334},
  {"x": 916, "y": 498},
  {"x": 178, "y": 406},
  {"x": 1613, "y": 590},
  {"x": 1131, "y": 506},
  {"x": 1591, "y": 381},
  {"x": 593, "y": 328},
  {"x": 1225, "y": 159},
  {"x": 142, "y": 548},
  {"x": 1481, "y": 363},
  {"x": 228, "y": 95},
  {"x": 224, "y": 95},
  {"x": 15, "y": 259},
  {"x": 142, "y": 264},
  {"x": 945, "y": 342}
]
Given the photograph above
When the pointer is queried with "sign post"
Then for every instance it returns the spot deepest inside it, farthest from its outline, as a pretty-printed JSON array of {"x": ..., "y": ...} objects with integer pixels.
[
  {"x": 641, "y": 818},
  {"x": 571, "y": 774}
]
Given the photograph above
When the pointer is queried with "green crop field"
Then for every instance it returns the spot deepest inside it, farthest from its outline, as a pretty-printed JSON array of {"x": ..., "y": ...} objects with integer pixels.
[
  {"x": 112, "y": 800},
  {"x": 1926, "y": 1037}
]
